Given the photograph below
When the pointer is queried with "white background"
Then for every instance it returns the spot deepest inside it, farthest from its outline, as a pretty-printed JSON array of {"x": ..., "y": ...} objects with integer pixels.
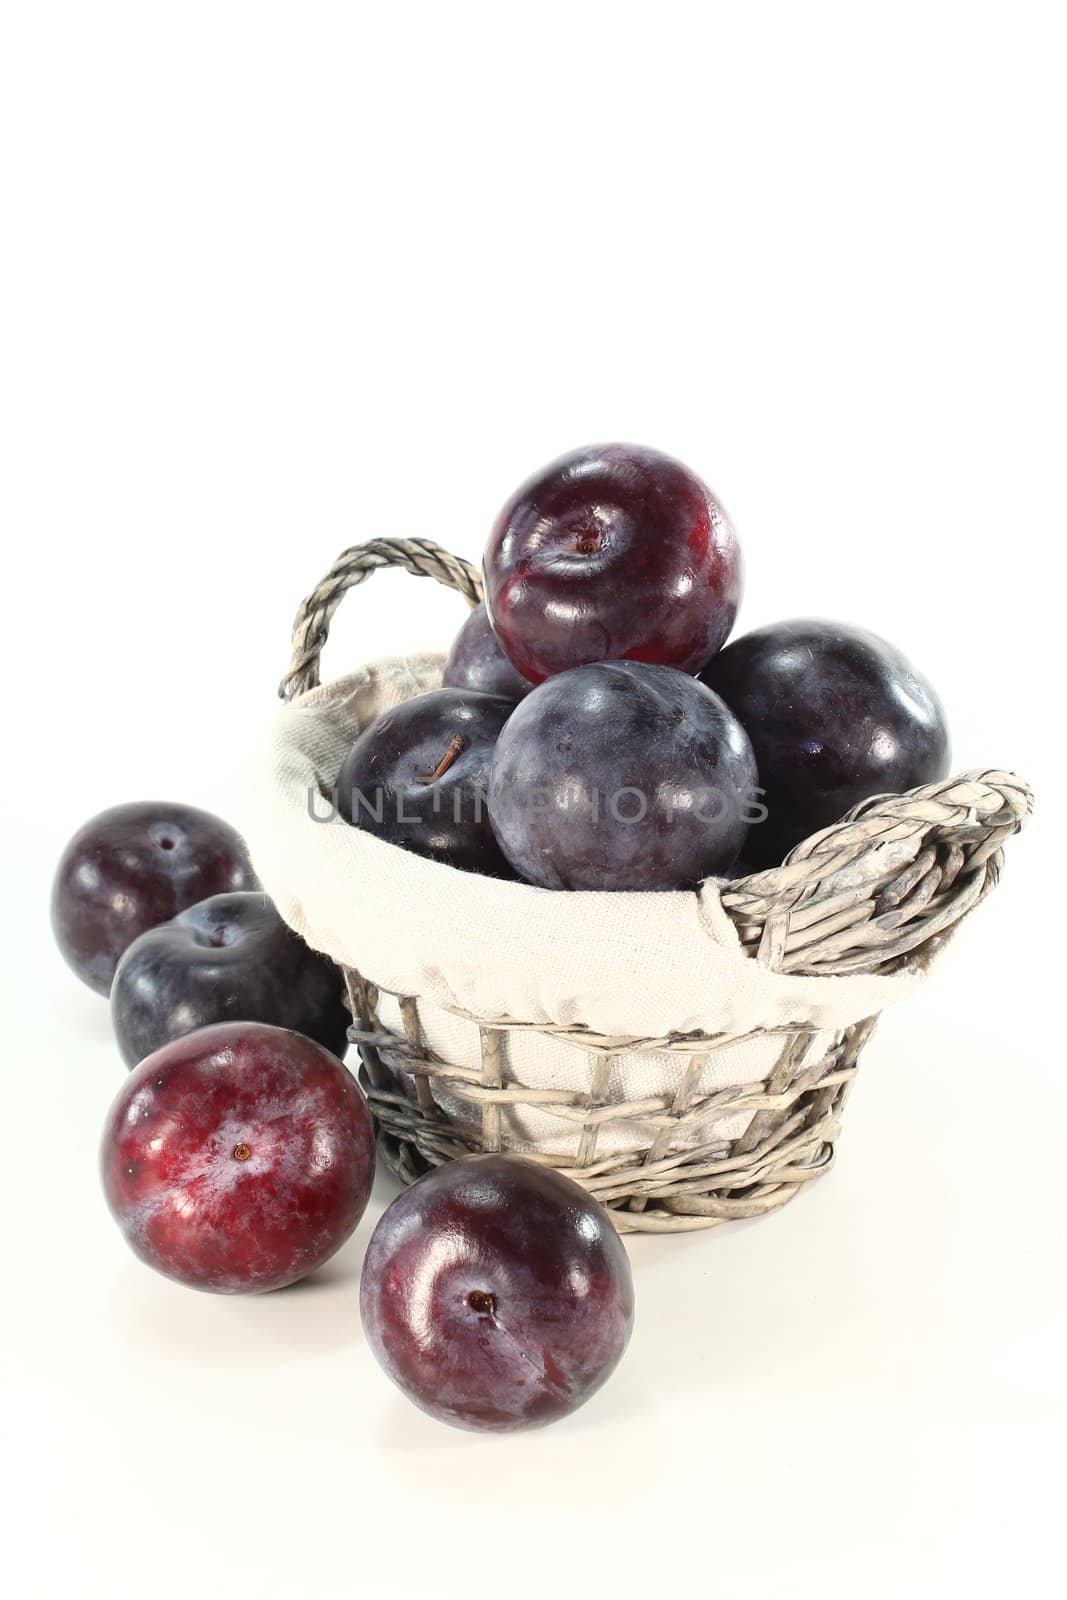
[{"x": 277, "y": 278}]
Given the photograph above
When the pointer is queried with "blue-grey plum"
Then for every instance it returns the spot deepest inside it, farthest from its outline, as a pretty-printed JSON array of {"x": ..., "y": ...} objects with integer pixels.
[{"x": 621, "y": 775}]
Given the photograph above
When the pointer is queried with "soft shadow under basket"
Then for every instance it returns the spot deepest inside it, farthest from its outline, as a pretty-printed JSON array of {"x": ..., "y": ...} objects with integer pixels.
[{"x": 685, "y": 1057}]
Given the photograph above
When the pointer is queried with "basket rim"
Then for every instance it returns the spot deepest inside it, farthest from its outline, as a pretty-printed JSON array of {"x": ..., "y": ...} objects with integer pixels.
[
  {"x": 979, "y": 798},
  {"x": 864, "y": 895},
  {"x": 874, "y": 894}
]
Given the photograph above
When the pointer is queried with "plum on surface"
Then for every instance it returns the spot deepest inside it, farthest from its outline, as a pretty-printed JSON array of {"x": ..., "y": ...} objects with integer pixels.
[
  {"x": 496, "y": 1294},
  {"x": 418, "y": 775},
  {"x": 835, "y": 715},
  {"x": 476, "y": 661},
  {"x": 612, "y": 552},
  {"x": 133, "y": 867},
  {"x": 238, "y": 1159},
  {"x": 229, "y": 959},
  {"x": 621, "y": 776}
]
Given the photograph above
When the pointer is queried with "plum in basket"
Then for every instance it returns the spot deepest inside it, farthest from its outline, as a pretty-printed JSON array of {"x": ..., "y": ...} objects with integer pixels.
[
  {"x": 835, "y": 715},
  {"x": 417, "y": 777}
]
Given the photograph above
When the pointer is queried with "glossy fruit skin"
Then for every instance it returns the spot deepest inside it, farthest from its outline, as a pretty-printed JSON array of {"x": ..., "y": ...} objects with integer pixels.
[
  {"x": 835, "y": 715},
  {"x": 571, "y": 749},
  {"x": 228, "y": 959},
  {"x": 496, "y": 1294},
  {"x": 131, "y": 868},
  {"x": 476, "y": 661},
  {"x": 238, "y": 1159},
  {"x": 612, "y": 552},
  {"x": 384, "y": 789}
]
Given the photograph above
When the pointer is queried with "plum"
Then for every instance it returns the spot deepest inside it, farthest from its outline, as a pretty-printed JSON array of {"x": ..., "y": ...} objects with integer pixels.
[
  {"x": 239, "y": 1158},
  {"x": 135, "y": 866},
  {"x": 229, "y": 959},
  {"x": 418, "y": 775},
  {"x": 835, "y": 714},
  {"x": 476, "y": 661},
  {"x": 612, "y": 552},
  {"x": 621, "y": 775},
  {"x": 496, "y": 1294}
]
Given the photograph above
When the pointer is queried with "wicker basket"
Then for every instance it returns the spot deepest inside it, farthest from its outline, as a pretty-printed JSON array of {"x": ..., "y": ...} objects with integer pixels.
[{"x": 796, "y": 918}]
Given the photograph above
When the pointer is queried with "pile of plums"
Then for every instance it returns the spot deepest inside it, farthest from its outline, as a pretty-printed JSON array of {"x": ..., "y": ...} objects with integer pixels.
[
  {"x": 593, "y": 733},
  {"x": 239, "y": 1154}
]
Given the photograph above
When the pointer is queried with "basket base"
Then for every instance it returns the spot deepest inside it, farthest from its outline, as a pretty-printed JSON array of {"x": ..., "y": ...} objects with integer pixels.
[
  {"x": 406, "y": 1161},
  {"x": 677, "y": 1196},
  {"x": 710, "y": 1156}
]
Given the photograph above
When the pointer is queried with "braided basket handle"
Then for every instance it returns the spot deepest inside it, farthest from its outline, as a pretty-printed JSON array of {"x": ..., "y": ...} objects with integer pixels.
[
  {"x": 929, "y": 856},
  {"x": 311, "y": 629}
]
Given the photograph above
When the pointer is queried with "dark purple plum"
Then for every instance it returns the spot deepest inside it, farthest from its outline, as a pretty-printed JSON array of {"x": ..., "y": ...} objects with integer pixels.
[
  {"x": 496, "y": 1294},
  {"x": 418, "y": 776},
  {"x": 135, "y": 866},
  {"x": 228, "y": 959},
  {"x": 621, "y": 775},
  {"x": 476, "y": 661},
  {"x": 613, "y": 552},
  {"x": 238, "y": 1159},
  {"x": 835, "y": 715}
]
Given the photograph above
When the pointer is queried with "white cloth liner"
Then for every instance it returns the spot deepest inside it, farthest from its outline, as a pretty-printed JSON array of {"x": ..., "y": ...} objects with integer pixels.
[{"x": 631, "y": 965}]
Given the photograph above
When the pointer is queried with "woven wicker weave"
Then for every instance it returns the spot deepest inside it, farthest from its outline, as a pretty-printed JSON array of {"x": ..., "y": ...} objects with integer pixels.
[{"x": 793, "y": 918}]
